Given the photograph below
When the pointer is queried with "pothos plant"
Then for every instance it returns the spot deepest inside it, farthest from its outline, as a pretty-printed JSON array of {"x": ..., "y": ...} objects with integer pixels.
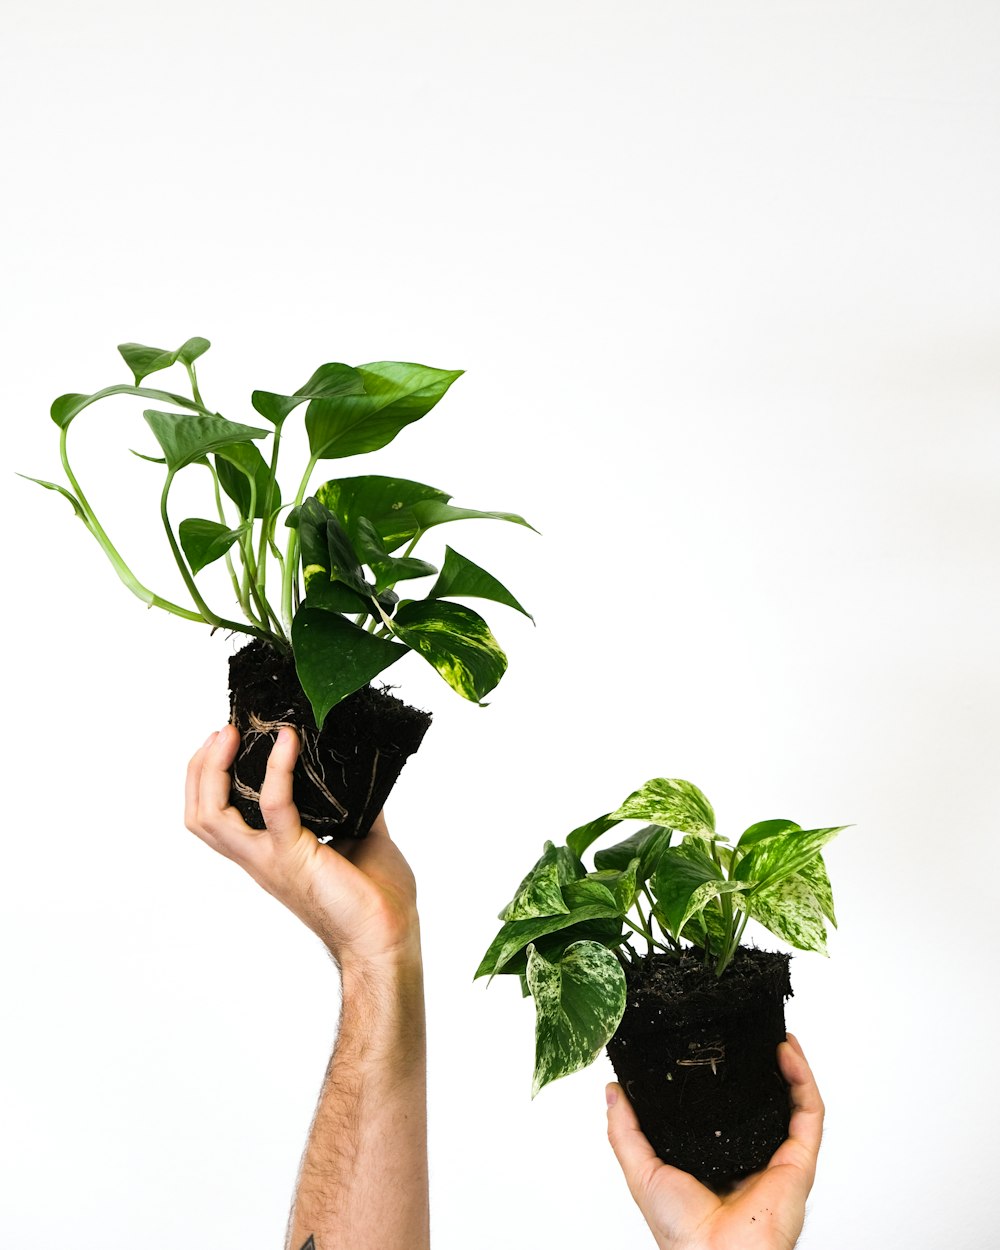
[
  {"x": 325, "y": 591},
  {"x": 570, "y": 933}
]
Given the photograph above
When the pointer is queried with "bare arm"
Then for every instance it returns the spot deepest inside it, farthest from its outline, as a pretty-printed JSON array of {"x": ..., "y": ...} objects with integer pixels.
[{"x": 363, "y": 1179}]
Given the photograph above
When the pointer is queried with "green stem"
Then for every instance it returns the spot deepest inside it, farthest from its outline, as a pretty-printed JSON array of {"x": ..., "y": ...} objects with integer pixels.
[
  {"x": 244, "y": 602},
  {"x": 290, "y": 571},
  {"x": 269, "y": 515},
  {"x": 119, "y": 565},
  {"x": 218, "y": 622},
  {"x": 194, "y": 384},
  {"x": 648, "y": 936}
]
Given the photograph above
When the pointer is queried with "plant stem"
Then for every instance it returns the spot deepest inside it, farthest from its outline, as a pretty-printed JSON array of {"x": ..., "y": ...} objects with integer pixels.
[
  {"x": 290, "y": 571},
  {"x": 647, "y": 935},
  {"x": 269, "y": 515},
  {"x": 121, "y": 568},
  {"x": 194, "y": 384},
  {"x": 244, "y": 602}
]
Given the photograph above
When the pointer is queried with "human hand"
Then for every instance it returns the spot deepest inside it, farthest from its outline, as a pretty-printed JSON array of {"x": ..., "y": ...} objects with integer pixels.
[
  {"x": 764, "y": 1211},
  {"x": 358, "y": 895}
]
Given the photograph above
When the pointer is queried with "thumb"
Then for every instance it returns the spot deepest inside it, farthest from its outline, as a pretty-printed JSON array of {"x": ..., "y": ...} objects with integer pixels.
[
  {"x": 632, "y": 1149},
  {"x": 281, "y": 816}
]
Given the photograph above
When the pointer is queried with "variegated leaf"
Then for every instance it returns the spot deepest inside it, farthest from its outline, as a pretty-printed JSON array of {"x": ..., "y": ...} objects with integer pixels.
[
  {"x": 685, "y": 882},
  {"x": 456, "y": 641},
  {"x": 774, "y": 859},
  {"x": 815, "y": 876},
  {"x": 539, "y": 894},
  {"x": 386, "y": 502},
  {"x": 792, "y": 912},
  {"x": 671, "y": 802},
  {"x": 517, "y": 935},
  {"x": 579, "y": 1002},
  {"x": 622, "y": 882},
  {"x": 765, "y": 829}
]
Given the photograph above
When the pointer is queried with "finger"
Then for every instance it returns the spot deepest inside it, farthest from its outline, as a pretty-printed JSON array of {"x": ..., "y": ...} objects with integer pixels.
[
  {"x": 678, "y": 1196},
  {"x": 805, "y": 1129},
  {"x": 281, "y": 816},
  {"x": 192, "y": 783},
  {"x": 213, "y": 790}
]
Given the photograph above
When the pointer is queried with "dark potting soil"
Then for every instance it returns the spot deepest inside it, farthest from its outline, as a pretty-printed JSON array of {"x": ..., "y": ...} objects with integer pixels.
[
  {"x": 345, "y": 771},
  {"x": 696, "y": 1054}
]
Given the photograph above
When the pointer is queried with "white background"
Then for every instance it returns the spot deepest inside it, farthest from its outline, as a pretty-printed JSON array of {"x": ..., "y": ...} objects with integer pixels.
[{"x": 724, "y": 280}]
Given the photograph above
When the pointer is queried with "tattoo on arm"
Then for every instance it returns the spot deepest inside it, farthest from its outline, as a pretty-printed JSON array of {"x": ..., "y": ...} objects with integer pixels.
[{"x": 310, "y": 1244}]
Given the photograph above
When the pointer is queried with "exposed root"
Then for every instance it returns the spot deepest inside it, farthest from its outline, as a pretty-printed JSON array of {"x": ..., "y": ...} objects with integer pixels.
[
  {"x": 309, "y": 756},
  {"x": 707, "y": 1056}
]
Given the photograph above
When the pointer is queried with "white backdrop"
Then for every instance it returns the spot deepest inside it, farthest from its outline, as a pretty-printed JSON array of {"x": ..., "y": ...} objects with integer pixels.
[{"x": 724, "y": 279}]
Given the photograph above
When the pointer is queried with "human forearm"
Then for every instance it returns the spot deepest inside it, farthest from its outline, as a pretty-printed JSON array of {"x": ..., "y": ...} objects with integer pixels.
[{"x": 363, "y": 1179}]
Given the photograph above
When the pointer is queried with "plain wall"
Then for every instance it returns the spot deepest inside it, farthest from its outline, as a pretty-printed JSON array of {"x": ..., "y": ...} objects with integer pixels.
[{"x": 724, "y": 280}]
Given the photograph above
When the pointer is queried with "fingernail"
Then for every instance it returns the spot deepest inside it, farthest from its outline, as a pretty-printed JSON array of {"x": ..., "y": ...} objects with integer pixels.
[{"x": 611, "y": 1095}]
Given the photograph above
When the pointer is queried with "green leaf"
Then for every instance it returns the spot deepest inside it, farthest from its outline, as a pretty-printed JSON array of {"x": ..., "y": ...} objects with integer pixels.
[
  {"x": 585, "y": 835},
  {"x": 456, "y": 641},
  {"x": 336, "y": 597},
  {"x": 648, "y": 843},
  {"x": 765, "y": 829},
  {"x": 206, "y": 541},
  {"x": 66, "y": 407},
  {"x": 327, "y": 382},
  {"x": 773, "y": 859},
  {"x": 461, "y": 577},
  {"x": 671, "y": 802},
  {"x": 386, "y": 502},
  {"x": 395, "y": 394},
  {"x": 622, "y": 882},
  {"x": 586, "y": 892},
  {"x": 333, "y": 658},
  {"x": 238, "y": 463},
  {"x": 433, "y": 512},
  {"x": 517, "y": 935},
  {"x": 579, "y": 1001},
  {"x": 813, "y": 873},
  {"x": 387, "y": 569},
  {"x": 685, "y": 882},
  {"x": 151, "y": 459},
  {"x": 62, "y": 491},
  {"x": 539, "y": 893},
  {"x": 790, "y": 909},
  {"x": 144, "y": 360},
  {"x": 184, "y": 438}
]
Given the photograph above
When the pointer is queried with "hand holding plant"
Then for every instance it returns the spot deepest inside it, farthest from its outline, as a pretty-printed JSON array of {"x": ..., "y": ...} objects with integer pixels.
[{"x": 761, "y": 1212}]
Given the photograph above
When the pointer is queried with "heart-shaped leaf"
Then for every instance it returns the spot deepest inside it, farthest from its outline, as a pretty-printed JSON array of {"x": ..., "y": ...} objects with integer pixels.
[
  {"x": 791, "y": 911},
  {"x": 206, "y": 541},
  {"x": 774, "y": 859},
  {"x": 459, "y": 576},
  {"x": 386, "y": 502},
  {"x": 395, "y": 394},
  {"x": 684, "y": 882},
  {"x": 646, "y": 843},
  {"x": 456, "y": 641},
  {"x": 539, "y": 894},
  {"x": 333, "y": 658},
  {"x": 184, "y": 438},
  {"x": 671, "y": 802},
  {"x": 328, "y": 381},
  {"x": 516, "y": 935},
  {"x": 765, "y": 829},
  {"x": 388, "y": 569},
  {"x": 579, "y": 1001},
  {"x": 144, "y": 360}
]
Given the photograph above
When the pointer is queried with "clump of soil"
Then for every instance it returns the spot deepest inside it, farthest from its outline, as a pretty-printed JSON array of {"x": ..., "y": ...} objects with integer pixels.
[
  {"x": 345, "y": 771},
  {"x": 696, "y": 1054}
]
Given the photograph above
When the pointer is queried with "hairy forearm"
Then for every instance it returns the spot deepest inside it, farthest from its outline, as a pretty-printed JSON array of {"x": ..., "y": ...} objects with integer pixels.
[{"x": 363, "y": 1180}]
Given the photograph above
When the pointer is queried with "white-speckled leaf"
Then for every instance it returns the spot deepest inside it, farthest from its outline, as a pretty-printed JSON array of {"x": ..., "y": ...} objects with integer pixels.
[
  {"x": 579, "y": 1002},
  {"x": 792, "y": 912},
  {"x": 622, "y": 882},
  {"x": 671, "y": 802},
  {"x": 516, "y": 935},
  {"x": 814, "y": 875},
  {"x": 539, "y": 894},
  {"x": 456, "y": 641},
  {"x": 584, "y": 835},
  {"x": 774, "y": 859}
]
